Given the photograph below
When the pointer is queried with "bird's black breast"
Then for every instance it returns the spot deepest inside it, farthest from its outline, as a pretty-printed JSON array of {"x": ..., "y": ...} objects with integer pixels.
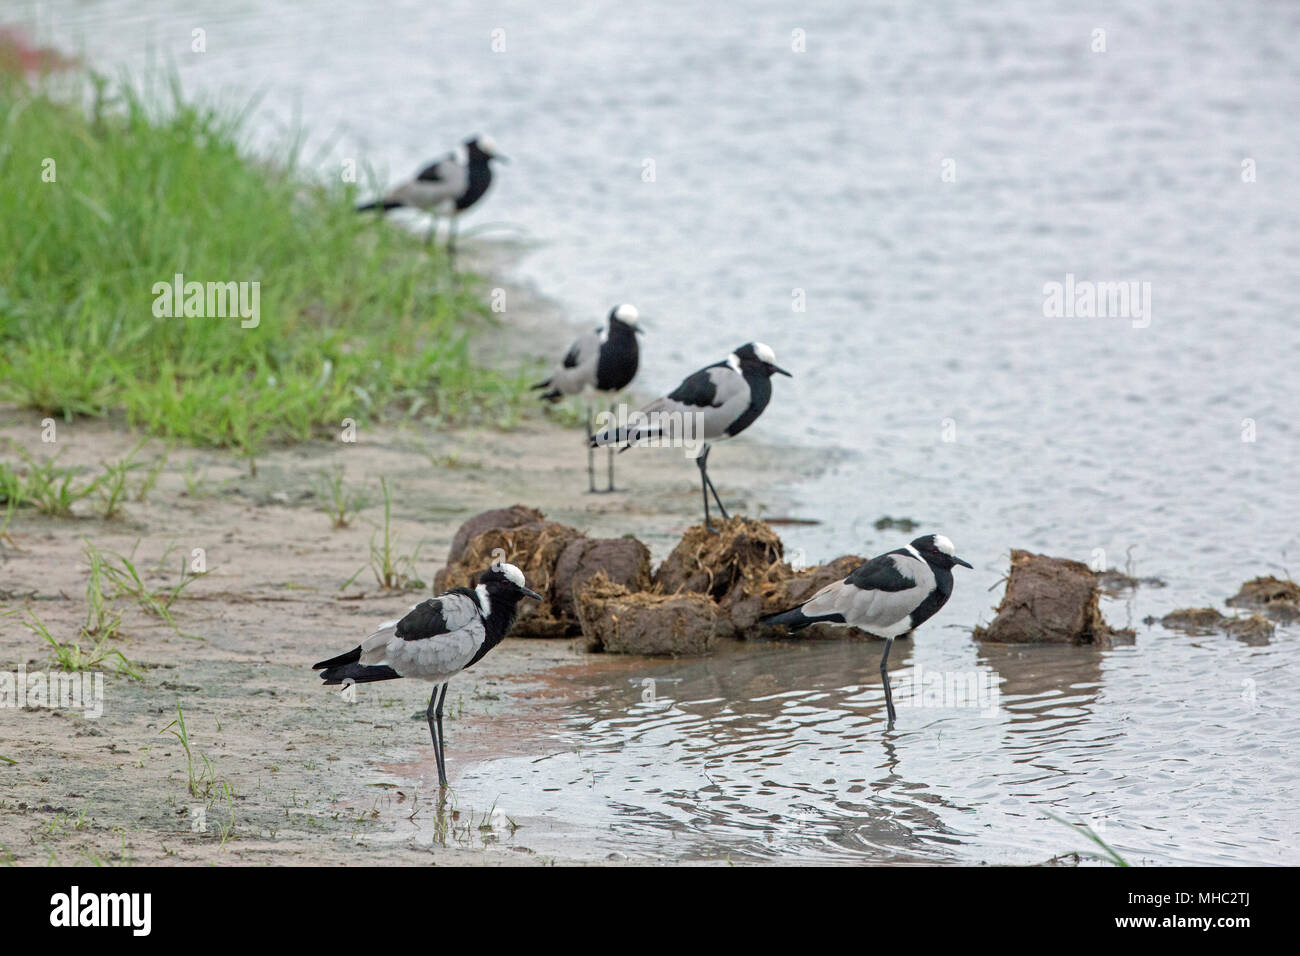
[
  {"x": 427, "y": 619},
  {"x": 480, "y": 178},
  {"x": 936, "y": 598},
  {"x": 619, "y": 356},
  {"x": 760, "y": 393},
  {"x": 496, "y": 625},
  {"x": 698, "y": 390}
]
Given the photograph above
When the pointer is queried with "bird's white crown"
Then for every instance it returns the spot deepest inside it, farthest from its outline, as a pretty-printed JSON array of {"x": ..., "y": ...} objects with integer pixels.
[
  {"x": 627, "y": 313},
  {"x": 944, "y": 545},
  {"x": 764, "y": 353},
  {"x": 488, "y": 145},
  {"x": 513, "y": 573}
]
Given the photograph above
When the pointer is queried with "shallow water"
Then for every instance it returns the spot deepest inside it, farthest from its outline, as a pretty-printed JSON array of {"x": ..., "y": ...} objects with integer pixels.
[{"x": 820, "y": 171}]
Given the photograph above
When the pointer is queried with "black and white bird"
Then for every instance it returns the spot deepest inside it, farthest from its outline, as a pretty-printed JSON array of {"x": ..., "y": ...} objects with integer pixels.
[
  {"x": 437, "y": 639},
  {"x": 447, "y": 187},
  {"x": 716, "y": 403},
  {"x": 890, "y": 595},
  {"x": 603, "y": 361}
]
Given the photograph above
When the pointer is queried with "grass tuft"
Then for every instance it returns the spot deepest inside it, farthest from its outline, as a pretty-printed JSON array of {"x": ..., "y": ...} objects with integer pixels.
[{"x": 357, "y": 319}]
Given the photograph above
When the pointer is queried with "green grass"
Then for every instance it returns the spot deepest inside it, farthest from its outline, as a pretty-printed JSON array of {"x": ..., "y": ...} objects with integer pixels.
[
  {"x": 393, "y": 571},
  {"x": 1107, "y": 853},
  {"x": 73, "y": 655},
  {"x": 53, "y": 489},
  {"x": 119, "y": 571},
  {"x": 339, "y": 502},
  {"x": 358, "y": 319},
  {"x": 202, "y": 775},
  {"x": 45, "y": 485}
]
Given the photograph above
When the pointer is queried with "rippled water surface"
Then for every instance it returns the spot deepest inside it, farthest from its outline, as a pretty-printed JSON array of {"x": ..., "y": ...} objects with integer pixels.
[{"x": 820, "y": 171}]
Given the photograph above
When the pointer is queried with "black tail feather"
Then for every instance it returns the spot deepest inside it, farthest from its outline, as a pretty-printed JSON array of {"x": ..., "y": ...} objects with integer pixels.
[
  {"x": 383, "y": 205},
  {"x": 796, "y": 620},
  {"x": 351, "y": 657},
  {"x": 554, "y": 395},
  {"x": 357, "y": 673}
]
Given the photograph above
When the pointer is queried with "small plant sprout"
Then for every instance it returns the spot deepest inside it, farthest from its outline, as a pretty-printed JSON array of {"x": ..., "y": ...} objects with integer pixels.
[
  {"x": 392, "y": 571},
  {"x": 1107, "y": 853},
  {"x": 338, "y": 502}
]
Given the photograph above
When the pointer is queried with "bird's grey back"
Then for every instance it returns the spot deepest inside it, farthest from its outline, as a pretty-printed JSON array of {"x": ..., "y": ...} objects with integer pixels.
[
  {"x": 902, "y": 582},
  {"x": 578, "y": 370}
]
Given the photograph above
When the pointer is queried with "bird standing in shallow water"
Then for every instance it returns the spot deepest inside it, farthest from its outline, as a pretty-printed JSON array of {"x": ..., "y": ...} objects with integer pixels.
[
  {"x": 890, "y": 595},
  {"x": 438, "y": 638},
  {"x": 447, "y": 187},
  {"x": 604, "y": 361},
  {"x": 716, "y": 403}
]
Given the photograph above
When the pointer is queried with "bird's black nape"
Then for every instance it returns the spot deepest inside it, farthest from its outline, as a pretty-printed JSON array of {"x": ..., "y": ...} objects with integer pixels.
[
  {"x": 937, "y": 551},
  {"x": 758, "y": 356},
  {"x": 483, "y": 149},
  {"x": 506, "y": 580}
]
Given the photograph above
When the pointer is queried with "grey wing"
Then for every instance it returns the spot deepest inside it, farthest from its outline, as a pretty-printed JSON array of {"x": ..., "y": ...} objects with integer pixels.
[
  {"x": 436, "y": 658},
  {"x": 877, "y": 610},
  {"x": 437, "y": 184},
  {"x": 710, "y": 410},
  {"x": 578, "y": 370},
  {"x": 435, "y": 639}
]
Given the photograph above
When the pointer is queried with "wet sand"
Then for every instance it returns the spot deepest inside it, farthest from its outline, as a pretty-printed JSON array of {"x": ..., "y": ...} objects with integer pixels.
[{"x": 314, "y": 779}]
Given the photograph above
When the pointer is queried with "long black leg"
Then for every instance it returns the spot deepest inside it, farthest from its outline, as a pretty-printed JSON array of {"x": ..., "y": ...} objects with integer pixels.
[
  {"x": 442, "y": 738},
  {"x": 884, "y": 678},
  {"x": 704, "y": 487},
  {"x": 431, "y": 716},
  {"x": 704, "y": 470},
  {"x": 591, "y": 457},
  {"x": 451, "y": 242},
  {"x": 611, "y": 454},
  {"x": 725, "y": 516}
]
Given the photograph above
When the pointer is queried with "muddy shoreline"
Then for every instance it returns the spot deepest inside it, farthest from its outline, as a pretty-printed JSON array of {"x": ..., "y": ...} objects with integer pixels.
[{"x": 297, "y": 774}]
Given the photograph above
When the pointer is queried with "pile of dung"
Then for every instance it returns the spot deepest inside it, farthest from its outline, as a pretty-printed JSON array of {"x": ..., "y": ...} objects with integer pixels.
[
  {"x": 1116, "y": 583},
  {"x": 1277, "y": 598},
  {"x": 624, "y": 561},
  {"x": 1193, "y": 619},
  {"x": 497, "y": 518},
  {"x": 618, "y": 621},
  {"x": 739, "y": 555},
  {"x": 555, "y": 559},
  {"x": 1204, "y": 620},
  {"x": 738, "y": 570},
  {"x": 1050, "y": 601}
]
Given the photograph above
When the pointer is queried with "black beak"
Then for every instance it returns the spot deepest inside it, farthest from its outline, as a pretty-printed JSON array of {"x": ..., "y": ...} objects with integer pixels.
[
  {"x": 779, "y": 369},
  {"x": 638, "y": 330},
  {"x": 499, "y": 158},
  {"x": 537, "y": 597},
  {"x": 964, "y": 564}
]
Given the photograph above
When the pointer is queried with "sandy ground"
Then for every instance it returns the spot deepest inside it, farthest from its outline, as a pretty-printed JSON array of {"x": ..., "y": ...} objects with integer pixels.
[{"x": 304, "y": 776}]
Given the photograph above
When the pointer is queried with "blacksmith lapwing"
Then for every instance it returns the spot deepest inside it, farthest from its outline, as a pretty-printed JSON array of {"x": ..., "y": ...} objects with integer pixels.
[
  {"x": 718, "y": 402},
  {"x": 437, "y": 639},
  {"x": 447, "y": 187},
  {"x": 890, "y": 595},
  {"x": 604, "y": 361}
]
